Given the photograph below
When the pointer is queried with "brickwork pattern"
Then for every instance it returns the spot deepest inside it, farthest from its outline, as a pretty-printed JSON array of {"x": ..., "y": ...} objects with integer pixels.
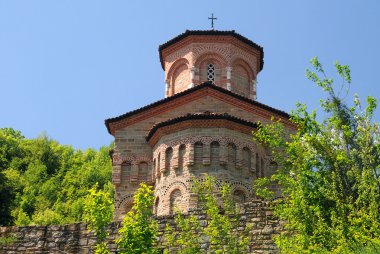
[
  {"x": 131, "y": 148},
  {"x": 223, "y": 55}
]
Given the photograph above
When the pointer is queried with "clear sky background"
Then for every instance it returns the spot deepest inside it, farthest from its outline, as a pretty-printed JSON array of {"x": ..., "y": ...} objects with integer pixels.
[{"x": 66, "y": 66}]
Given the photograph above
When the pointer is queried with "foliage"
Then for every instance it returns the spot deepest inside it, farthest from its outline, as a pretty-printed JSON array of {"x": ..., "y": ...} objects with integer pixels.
[
  {"x": 187, "y": 237},
  {"x": 329, "y": 173},
  {"x": 98, "y": 213},
  {"x": 9, "y": 148},
  {"x": 139, "y": 228},
  {"x": 43, "y": 182},
  {"x": 5, "y": 241},
  {"x": 221, "y": 230}
]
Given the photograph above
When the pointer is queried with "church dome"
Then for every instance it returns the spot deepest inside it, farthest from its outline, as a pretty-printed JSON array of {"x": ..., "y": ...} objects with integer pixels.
[{"x": 224, "y": 58}]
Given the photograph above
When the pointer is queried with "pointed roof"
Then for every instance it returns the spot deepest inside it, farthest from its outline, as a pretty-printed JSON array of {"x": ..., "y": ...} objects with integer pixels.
[{"x": 232, "y": 33}]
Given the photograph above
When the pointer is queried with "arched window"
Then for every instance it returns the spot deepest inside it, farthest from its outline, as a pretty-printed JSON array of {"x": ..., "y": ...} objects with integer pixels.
[
  {"x": 181, "y": 158},
  {"x": 198, "y": 152},
  {"x": 241, "y": 80},
  {"x": 239, "y": 196},
  {"x": 246, "y": 158},
  {"x": 211, "y": 73},
  {"x": 143, "y": 172},
  {"x": 231, "y": 153},
  {"x": 168, "y": 158},
  {"x": 126, "y": 172},
  {"x": 214, "y": 152},
  {"x": 262, "y": 168},
  {"x": 175, "y": 201}
]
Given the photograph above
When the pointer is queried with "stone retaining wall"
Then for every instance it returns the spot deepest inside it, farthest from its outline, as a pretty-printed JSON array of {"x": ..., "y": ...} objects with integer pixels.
[{"x": 75, "y": 238}]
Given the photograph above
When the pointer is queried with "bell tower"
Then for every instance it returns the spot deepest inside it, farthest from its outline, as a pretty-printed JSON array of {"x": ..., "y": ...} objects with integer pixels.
[{"x": 224, "y": 58}]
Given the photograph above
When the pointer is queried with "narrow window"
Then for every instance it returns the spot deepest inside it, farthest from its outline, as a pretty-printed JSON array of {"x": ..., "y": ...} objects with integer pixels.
[
  {"x": 214, "y": 152},
  {"x": 211, "y": 73},
  {"x": 246, "y": 158},
  {"x": 155, "y": 167},
  {"x": 232, "y": 154},
  {"x": 198, "y": 152},
  {"x": 181, "y": 158},
  {"x": 159, "y": 163},
  {"x": 126, "y": 172},
  {"x": 168, "y": 158},
  {"x": 143, "y": 172}
]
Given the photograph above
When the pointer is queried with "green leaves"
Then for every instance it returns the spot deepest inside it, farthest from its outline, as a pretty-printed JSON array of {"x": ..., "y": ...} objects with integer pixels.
[
  {"x": 43, "y": 182},
  {"x": 98, "y": 213},
  {"x": 222, "y": 223},
  {"x": 139, "y": 229},
  {"x": 329, "y": 173}
]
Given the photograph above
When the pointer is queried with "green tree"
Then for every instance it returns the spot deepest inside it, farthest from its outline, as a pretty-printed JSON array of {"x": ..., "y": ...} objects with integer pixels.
[
  {"x": 98, "y": 213},
  {"x": 9, "y": 148},
  {"x": 139, "y": 228},
  {"x": 187, "y": 238},
  {"x": 222, "y": 219},
  {"x": 43, "y": 182},
  {"x": 329, "y": 172}
]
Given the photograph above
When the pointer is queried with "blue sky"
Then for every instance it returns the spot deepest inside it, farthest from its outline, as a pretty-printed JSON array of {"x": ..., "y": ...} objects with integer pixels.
[{"x": 66, "y": 66}]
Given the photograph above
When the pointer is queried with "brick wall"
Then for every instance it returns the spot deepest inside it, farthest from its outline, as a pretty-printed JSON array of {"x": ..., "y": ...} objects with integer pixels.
[{"x": 75, "y": 238}]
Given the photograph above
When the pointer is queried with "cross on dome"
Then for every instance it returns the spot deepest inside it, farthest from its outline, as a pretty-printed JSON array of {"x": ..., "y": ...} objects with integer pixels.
[{"x": 212, "y": 21}]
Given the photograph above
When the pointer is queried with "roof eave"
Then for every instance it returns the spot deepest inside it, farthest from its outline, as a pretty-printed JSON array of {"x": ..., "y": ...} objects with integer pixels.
[
  {"x": 205, "y": 85},
  {"x": 211, "y": 32}
]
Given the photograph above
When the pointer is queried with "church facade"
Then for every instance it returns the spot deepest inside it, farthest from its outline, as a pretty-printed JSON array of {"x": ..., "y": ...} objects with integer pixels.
[{"x": 203, "y": 126}]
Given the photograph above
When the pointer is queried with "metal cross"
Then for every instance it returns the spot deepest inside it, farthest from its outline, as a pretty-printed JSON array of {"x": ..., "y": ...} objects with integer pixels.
[{"x": 212, "y": 21}]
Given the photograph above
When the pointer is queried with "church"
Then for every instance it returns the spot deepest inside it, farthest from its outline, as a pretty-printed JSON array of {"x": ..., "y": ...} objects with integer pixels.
[{"x": 203, "y": 125}]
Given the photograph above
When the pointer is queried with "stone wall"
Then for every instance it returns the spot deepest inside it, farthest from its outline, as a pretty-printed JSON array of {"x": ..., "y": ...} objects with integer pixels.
[{"x": 75, "y": 238}]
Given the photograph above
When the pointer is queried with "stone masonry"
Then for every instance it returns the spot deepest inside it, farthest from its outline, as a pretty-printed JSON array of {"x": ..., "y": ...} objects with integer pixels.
[{"x": 75, "y": 238}]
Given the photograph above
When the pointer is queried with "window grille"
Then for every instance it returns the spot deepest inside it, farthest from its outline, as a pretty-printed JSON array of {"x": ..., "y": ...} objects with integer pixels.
[{"x": 211, "y": 73}]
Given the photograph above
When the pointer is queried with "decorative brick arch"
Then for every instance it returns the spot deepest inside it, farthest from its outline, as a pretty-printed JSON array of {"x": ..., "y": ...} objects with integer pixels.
[
  {"x": 223, "y": 52},
  {"x": 124, "y": 201},
  {"x": 241, "y": 190},
  {"x": 238, "y": 53},
  {"x": 210, "y": 56},
  {"x": 237, "y": 185},
  {"x": 177, "y": 65},
  {"x": 167, "y": 189},
  {"x": 207, "y": 140},
  {"x": 245, "y": 66}
]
